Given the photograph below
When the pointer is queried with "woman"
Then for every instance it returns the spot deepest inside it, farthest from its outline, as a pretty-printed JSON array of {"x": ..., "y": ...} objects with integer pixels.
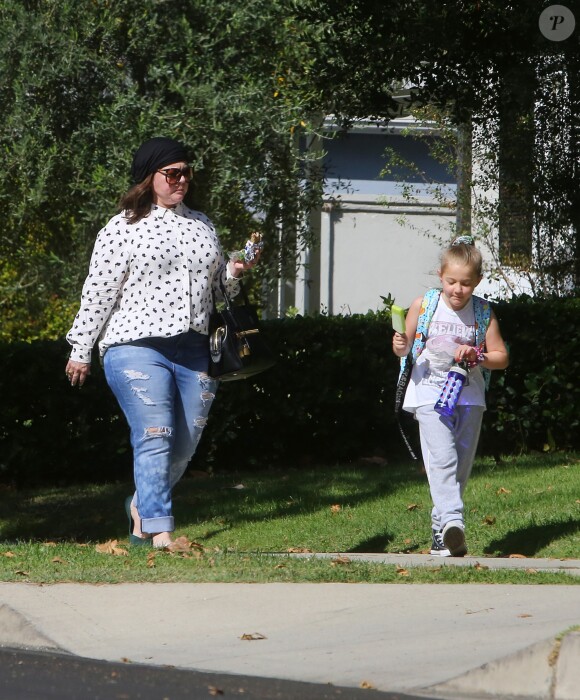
[{"x": 147, "y": 299}]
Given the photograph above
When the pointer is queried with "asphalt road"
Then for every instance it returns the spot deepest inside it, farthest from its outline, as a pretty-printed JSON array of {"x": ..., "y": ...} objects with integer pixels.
[{"x": 42, "y": 675}]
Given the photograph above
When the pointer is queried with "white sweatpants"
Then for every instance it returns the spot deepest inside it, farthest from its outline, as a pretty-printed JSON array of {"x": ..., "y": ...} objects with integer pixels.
[{"x": 448, "y": 450}]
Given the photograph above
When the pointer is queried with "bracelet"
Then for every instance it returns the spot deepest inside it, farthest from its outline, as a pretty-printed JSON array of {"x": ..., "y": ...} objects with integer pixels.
[{"x": 479, "y": 358}]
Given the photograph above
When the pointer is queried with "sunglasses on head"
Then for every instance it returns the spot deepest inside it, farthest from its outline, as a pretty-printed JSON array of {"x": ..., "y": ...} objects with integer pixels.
[{"x": 174, "y": 175}]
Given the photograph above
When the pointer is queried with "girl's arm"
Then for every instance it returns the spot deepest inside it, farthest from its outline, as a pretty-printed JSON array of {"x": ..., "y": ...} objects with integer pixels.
[
  {"x": 402, "y": 342},
  {"x": 495, "y": 355}
]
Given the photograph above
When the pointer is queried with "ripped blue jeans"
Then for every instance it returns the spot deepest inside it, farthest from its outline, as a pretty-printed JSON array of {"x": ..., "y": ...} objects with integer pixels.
[{"x": 165, "y": 392}]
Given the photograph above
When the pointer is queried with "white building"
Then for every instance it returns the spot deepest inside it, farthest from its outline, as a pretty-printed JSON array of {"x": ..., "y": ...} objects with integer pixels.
[{"x": 374, "y": 240}]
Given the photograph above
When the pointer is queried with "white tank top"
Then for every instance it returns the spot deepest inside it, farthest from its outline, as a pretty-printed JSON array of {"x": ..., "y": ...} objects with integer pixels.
[{"x": 447, "y": 329}]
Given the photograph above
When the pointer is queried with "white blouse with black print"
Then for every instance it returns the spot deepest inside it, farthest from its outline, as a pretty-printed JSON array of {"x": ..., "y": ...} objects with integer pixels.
[{"x": 153, "y": 278}]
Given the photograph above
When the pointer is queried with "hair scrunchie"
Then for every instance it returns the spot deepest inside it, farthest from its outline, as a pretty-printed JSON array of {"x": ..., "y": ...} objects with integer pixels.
[{"x": 466, "y": 240}]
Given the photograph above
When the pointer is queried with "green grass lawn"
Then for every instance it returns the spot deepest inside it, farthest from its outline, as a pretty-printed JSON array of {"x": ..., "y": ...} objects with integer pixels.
[{"x": 232, "y": 524}]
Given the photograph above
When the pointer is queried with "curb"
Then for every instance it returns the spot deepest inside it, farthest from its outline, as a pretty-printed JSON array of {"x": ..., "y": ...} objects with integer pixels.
[
  {"x": 547, "y": 670},
  {"x": 16, "y": 632},
  {"x": 563, "y": 566}
]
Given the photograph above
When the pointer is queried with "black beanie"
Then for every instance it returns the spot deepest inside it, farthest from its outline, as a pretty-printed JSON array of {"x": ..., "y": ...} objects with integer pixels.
[{"x": 154, "y": 154}]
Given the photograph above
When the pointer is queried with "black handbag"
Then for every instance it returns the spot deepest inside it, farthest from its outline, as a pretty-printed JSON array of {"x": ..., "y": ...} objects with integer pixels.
[{"x": 236, "y": 345}]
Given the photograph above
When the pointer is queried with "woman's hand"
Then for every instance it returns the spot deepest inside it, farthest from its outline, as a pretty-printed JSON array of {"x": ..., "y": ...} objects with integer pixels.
[
  {"x": 238, "y": 267},
  {"x": 247, "y": 258},
  {"x": 77, "y": 372}
]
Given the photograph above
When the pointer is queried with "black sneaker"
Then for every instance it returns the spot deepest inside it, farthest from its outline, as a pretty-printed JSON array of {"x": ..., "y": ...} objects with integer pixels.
[
  {"x": 438, "y": 549},
  {"x": 454, "y": 540}
]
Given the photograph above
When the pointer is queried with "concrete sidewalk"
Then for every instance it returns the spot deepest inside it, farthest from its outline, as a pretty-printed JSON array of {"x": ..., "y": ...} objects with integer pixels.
[{"x": 441, "y": 640}]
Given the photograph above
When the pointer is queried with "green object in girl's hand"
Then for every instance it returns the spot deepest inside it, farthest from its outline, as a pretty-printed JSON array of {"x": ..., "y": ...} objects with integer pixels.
[{"x": 398, "y": 318}]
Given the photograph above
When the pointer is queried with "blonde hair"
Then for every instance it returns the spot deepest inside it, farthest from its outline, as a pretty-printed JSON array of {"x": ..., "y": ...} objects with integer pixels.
[{"x": 462, "y": 251}]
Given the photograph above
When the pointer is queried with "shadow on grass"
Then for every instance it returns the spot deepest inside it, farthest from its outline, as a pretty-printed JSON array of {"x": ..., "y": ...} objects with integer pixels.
[
  {"x": 374, "y": 545},
  {"x": 76, "y": 513},
  {"x": 95, "y": 512},
  {"x": 530, "y": 540}
]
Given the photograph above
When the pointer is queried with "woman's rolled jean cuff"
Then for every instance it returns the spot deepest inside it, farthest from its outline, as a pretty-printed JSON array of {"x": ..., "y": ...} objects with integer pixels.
[{"x": 153, "y": 525}]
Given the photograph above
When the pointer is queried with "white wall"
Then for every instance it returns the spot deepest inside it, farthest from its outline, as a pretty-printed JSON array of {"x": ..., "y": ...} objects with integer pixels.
[{"x": 369, "y": 250}]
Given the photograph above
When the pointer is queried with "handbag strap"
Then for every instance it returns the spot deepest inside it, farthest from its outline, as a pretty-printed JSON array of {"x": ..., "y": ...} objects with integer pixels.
[{"x": 226, "y": 296}]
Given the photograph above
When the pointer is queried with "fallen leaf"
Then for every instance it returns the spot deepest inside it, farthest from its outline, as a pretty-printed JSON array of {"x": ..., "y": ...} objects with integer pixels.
[
  {"x": 280, "y": 566},
  {"x": 525, "y": 615},
  {"x": 21, "y": 573},
  {"x": 502, "y": 490},
  {"x": 111, "y": 547},
  {"x": 49, "y": 544},
  {"x": 489, "y": 520},
  {"x": 299, "y": 550},
  {"x": 335, "y": 508},
  {"x": 151, "y": 560},
  {"x": 180, "y": 544},
  {"x": 367, "y": 686},
  {"x": 214, "y": 691},
  {"x": 401, "y": 571},
  {"x": 480, "y": 567},
  {"x": 531, "y": 571},
  {"x": 238, "y": 487},
  {"x": 105, "y": 547},
  {"x": 340, "y": 560},
  {"x": 517, "y": 556},
  {"x": 253, "y": 636},
  {"x": 413, "y": 506},
  {"x": 58, "y": 560},
  {"x": 10, "y": 555},
  {"x": 408, "y": 540},
  {"x": 379, "y": 461}
]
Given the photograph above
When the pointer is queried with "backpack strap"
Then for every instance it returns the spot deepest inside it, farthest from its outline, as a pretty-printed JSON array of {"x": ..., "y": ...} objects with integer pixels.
[
  {"x": 482, "y": 309},
  {"x": 428, "y": 307}
]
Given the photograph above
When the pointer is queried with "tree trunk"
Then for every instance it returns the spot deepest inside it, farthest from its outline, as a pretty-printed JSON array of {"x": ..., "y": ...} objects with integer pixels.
[
  {"x": 516, "y": 161},
  {"x": 464, "y": 178}
]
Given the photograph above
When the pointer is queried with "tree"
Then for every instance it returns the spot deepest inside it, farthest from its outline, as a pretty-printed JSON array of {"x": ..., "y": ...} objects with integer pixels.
[
  {"x": 84, "y": 82},
  {"x": 486, "y": 67}
]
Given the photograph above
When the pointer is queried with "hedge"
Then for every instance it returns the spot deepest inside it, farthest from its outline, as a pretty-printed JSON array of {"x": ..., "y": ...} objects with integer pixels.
[{"x": 329, "y": 399}]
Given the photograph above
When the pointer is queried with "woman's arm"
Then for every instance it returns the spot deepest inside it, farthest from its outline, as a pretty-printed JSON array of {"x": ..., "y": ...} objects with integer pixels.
[{"x": 107, "y": 270}]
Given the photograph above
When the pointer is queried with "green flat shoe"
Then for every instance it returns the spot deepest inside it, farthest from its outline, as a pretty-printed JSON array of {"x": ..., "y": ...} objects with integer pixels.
[{"x": 133, "y": 539}]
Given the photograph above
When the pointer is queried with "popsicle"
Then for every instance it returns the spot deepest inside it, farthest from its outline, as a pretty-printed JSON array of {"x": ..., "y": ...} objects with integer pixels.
[{"x": 398, "y": 318}]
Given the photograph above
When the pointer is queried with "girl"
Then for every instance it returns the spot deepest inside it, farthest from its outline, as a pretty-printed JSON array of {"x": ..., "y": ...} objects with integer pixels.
[{"x": 446, "y": 326}]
